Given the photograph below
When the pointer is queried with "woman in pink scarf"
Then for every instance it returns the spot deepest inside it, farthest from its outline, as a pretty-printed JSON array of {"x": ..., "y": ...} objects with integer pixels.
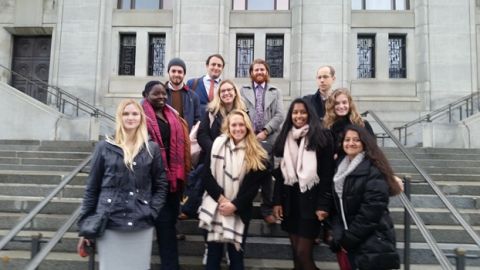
[{"x": 166, "y": 129}]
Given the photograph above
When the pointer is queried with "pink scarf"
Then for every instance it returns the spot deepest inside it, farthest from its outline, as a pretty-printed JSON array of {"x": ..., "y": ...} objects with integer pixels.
[{"x": 175, "y": 168}]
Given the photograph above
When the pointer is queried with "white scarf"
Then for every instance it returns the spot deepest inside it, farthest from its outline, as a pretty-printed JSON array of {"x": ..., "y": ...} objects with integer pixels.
[
  {"x": 299, "y": 165},
  {"x": 344, "y": 169},
  {"x": 228, "y": 168}
]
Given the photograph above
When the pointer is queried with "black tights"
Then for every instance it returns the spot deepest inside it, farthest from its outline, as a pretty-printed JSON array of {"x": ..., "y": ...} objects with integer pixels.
[{"x": 302, "y": 249}]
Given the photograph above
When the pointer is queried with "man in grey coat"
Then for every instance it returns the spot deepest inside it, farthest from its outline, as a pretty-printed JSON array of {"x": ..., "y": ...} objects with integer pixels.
[{"x": 265, "y": 107}]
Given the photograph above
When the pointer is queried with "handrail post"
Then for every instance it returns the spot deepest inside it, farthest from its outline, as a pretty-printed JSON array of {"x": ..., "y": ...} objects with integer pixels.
[
  {"x": 35, "y": 245},
  {"x": 450, "y": 113},
  {"x": 405, "y": 138},
  {"x": 407, "y": 224},
  {"x": 460, "y": 258},
  {"x": 461, "y": 112}
]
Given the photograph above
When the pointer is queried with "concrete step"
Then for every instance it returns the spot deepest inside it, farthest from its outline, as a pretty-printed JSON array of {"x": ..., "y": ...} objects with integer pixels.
[
  {"x": 46, "y": 168},
  {"x": 43, "y": 154},
  {"x": 24, "y": 204},
  {"x": 432, "y": 201},
  {"x": 39, "y": 177},
  {"x": 41, "y": 190},
  {"x": 40, "y": 161},
  {"x": 429, "y": 150},
  {"x": 437, "y": 170},
  {"x": 448, "y": 188},
  {"x": 35, "y": 145},
  {"x": 435, "y": 156},
  {"x": 441, "y": 163},
  {"x": 442, "y": 177}
]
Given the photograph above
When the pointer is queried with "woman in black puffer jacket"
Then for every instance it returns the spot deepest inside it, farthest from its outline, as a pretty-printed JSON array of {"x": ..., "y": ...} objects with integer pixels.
[{"x": 361, "y": 223}]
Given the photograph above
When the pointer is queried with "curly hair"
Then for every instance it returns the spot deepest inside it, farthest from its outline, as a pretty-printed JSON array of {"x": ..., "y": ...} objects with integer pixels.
[{"x": 330, "y": 116}]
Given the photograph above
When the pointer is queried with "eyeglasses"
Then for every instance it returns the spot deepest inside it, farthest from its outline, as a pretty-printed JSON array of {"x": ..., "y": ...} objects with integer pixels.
[{"x": 226, "y": 90}]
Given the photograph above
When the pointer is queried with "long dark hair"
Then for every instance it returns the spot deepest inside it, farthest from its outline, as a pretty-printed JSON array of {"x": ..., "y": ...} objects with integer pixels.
[
  {"x": 317, "y": 136},
  {"x": 375, "y": 155}
]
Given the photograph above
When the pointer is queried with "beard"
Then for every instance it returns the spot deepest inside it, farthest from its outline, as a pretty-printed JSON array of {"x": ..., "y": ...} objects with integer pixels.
[{"x": 260, "y": 78}]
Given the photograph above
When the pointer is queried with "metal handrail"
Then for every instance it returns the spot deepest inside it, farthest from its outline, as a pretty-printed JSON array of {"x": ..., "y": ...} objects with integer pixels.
[
  {"x": 40, "y": 206},
  {"x": 467, "y": 100},
  {"x": 60, "y": 95},
  {"x": 429, "y": 180}
]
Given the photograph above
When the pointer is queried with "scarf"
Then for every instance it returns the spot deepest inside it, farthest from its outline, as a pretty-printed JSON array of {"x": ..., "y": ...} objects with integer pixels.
[
  {"x": 344, "y": 169},
  {"x": 299, "y": 165},
  {"x": 175, "y": 169},
  {"x": 228, "y": 169}
]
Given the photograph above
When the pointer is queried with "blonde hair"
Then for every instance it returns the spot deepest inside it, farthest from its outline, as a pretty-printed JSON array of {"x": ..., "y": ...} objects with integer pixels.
[
  {"x": 330, "y": 116},
  {"x": 255, "y": 155},
  {"x": 140, "y": 137},
  {"x": 216, "y": 105}
]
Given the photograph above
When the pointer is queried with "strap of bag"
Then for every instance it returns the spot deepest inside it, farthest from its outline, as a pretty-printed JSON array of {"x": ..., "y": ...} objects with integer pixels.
[{"x": 194, "y": 85}]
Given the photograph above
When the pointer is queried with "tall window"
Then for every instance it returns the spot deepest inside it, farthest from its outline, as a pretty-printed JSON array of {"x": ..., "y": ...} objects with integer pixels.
[
  {"x": 244, "y": 55},
  {"x": 397, "y": 56},
  {"x": 366, "y": 56},
  {"x": 380, "y": 4},
  {"x": 156, "y": 55},
  {"x": 261, "y": 4},
  {"x": 127, "y": 54},
  {"x": 145, "y": 4},
  {"x": 274, "y": 55}
]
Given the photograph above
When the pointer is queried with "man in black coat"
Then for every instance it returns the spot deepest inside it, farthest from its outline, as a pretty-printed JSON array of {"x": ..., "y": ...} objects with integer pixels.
[{"x": 325, "y": 79}]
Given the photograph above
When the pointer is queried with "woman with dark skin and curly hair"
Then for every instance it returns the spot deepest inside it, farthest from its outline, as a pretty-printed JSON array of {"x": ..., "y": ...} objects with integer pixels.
[
  {"x": 361, "y": 223},
  {"x": 302, "y": 194}
]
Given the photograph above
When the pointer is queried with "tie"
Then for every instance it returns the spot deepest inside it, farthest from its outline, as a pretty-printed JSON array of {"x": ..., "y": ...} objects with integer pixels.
[
  {"x": 210, "y": 91},
  {"x": 258, "y": 122}
]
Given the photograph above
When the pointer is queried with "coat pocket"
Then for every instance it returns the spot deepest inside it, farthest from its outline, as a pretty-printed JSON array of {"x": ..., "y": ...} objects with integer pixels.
[{"x": 377, "y": 252}]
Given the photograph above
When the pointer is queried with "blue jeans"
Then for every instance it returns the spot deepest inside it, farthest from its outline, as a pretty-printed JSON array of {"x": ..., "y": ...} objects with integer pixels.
[
  {"x": 166, "y": 233},
  {"x": 215, "y": 255}
]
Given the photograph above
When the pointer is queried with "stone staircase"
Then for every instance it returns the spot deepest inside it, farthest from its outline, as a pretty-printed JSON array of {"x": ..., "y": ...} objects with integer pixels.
[{"x": 30, "y": 169}]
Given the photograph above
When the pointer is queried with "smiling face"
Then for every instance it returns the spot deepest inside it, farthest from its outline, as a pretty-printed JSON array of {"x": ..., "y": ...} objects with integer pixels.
[
  {"x": 176, "y": 75},
  {"x": 157, "y": 97},
  {"x": 131, "y": 117},
  {"x": 227, "y": 94},
  {"x": 259, "y": 73},
  {"x": 237, "y": 128},
  {"x": 299, "y": 115},
  {"x": 215, "y": 67},
  {"x": 352, "y": 145},
  {"x": 342, "y": 106}
]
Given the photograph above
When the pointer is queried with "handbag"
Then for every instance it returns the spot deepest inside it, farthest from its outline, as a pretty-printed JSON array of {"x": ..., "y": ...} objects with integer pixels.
[
  {"x": 343, "y": 261},
  {"x": 94, "y": 226}
]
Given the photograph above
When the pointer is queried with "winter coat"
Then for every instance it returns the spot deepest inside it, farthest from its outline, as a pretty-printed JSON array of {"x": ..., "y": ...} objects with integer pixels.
[
  {"x": 370, "y": 235},
  {"x": 191, "y": 105},
  {"x": 317, "y": 103},
  {"x": 133, "y": 198}
]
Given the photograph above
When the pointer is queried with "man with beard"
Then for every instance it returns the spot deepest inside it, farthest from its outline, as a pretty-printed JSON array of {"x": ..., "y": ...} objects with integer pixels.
[
  {"x": 206, "y": 86},
  {"x": 180, "y": 97},
  {"x": 265, "y": 107},
  {"x": 325, "y": 79}
]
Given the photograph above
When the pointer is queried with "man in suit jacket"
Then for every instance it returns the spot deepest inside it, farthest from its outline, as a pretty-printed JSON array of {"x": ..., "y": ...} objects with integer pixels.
[
  {"x": 265, "y": 107},
  {"x": 202, "y": 86},
  {"x": 325, "y": 79}
]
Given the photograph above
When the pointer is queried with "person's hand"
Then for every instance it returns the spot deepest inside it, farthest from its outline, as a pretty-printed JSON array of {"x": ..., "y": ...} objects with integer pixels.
[
  {"x": 399, "y": 182},
  {"x": 278, "y": 212},
  {"x": 222, "y": 199},
  {"x": 262, "y": 136},
  {"x": 227, "y": 209},
  {"x": 81, "y": 250},
  {"x": 321, "y": 215}
]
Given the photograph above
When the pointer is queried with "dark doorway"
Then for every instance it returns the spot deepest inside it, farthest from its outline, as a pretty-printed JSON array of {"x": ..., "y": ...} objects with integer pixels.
[{"x": 31, "y": 59}]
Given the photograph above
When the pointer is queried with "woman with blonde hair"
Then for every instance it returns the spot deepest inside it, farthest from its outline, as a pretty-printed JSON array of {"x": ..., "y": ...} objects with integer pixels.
[
  {"x": 341, "y": 111},
  {"x": 126, "y": 181},
  {"x": 233, "y": 173},
  {"x": 225, "y": 100}
]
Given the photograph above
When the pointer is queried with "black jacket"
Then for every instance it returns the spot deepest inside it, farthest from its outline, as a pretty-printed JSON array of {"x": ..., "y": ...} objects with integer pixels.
[
  {"x": 317, "y": 198},
  {"x": 338, "y": 130},
  {"x": 133, "y": 199},
  {"x": 316, "y": 102},
  {"x": 370, "y": 235},
  {"x": 207, "y": 133}
]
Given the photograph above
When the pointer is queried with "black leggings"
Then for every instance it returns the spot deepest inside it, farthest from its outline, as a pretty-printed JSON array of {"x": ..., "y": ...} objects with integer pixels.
[{"x": 302, "y": 249}]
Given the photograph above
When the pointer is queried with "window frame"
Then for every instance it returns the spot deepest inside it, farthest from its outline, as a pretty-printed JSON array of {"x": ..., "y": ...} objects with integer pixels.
[
  {"x": 246, "y": 5},
  {"x": 239, "y": 36},
  {"x": 373, "y": 69},
  {"x": 150, "y": 51},
  {"x": 132, "y": 5},
  {"x": 393, "y": 4},
  {"x": 403, "y": 69},
  {"x": 276, "y": 36},
  {"x": 121, "y": 55}
]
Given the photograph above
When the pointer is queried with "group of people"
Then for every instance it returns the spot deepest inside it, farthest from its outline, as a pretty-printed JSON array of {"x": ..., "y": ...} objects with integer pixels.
[{"x": 331, "y": 175}]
